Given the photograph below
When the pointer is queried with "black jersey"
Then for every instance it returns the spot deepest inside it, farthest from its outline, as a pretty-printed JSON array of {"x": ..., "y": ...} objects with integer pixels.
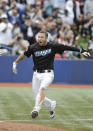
[{"x": 43, "y": 56}]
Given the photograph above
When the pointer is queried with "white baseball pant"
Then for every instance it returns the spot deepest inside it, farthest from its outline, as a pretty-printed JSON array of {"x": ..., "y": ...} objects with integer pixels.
[{"x": 39, "y": 81}]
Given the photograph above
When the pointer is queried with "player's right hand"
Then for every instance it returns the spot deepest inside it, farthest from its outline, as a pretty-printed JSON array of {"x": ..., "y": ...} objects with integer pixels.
[
  {"x": 14, "y": 68},
  {"x": 84, "y": 52}
]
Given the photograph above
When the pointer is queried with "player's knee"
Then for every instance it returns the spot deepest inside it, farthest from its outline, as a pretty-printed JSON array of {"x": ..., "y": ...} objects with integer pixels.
[{"x": 42, "y": 91}]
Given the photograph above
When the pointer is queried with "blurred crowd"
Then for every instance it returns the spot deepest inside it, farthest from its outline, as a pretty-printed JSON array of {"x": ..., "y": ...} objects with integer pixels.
[{"x": 69, "y": 22}]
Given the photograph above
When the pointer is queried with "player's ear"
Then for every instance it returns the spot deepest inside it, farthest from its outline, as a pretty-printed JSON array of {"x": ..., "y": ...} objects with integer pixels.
[
  {"x": 36, "y": 37},
  {"x": 47, "y": 37},
  {"x": 47, "y": 40}
]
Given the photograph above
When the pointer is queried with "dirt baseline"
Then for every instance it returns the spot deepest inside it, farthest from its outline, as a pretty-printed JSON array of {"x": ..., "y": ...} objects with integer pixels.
[
  {"x": 52, "y": 85},
  {"x": 12, "y": 126}
]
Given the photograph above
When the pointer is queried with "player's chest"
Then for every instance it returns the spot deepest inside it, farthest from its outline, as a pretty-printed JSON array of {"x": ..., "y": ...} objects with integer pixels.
[{"x": 43, "y": 52}]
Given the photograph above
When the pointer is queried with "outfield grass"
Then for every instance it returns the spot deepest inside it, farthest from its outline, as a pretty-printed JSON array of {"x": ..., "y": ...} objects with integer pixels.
[{"x": 74, "y": 111}]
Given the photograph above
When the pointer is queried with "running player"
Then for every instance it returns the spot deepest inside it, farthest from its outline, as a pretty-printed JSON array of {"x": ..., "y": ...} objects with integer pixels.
[{"x": 43, "y": 53}]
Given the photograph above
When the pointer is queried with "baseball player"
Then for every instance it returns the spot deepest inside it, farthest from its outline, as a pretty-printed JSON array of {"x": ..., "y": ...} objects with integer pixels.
[{"x": 43, "y": 53}]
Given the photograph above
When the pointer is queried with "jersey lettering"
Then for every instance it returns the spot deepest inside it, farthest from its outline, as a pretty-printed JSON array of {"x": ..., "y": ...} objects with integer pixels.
[{"x": 42, "y": 53}]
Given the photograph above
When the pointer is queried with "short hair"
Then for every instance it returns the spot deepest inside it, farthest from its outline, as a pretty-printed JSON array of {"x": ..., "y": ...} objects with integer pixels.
[{"x": 44, "y": 32}]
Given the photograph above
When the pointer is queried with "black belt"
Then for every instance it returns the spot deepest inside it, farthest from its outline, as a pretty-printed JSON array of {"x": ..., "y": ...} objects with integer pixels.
[{"x": 43, "y": 71}]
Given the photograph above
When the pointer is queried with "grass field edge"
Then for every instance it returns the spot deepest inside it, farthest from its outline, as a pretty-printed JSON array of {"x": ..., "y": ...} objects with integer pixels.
[{"x": 52, "y": 85}]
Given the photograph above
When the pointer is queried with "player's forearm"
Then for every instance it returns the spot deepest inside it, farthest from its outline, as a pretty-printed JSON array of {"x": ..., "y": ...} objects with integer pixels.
[{"x": 20, "y": 58}]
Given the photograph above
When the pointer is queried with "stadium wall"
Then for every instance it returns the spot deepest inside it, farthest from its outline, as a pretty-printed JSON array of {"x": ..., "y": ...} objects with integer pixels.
[{"x": 66, "y": 71}]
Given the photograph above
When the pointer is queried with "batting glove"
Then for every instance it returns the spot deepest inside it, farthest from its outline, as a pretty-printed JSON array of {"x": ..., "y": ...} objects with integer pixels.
[
  {"x": 85, "y": 52},
  {"x": 14, "y": 67}
]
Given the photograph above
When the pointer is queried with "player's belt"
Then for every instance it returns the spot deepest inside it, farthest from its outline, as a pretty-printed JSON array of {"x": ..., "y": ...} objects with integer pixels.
[{"x": 43, "y": 71}]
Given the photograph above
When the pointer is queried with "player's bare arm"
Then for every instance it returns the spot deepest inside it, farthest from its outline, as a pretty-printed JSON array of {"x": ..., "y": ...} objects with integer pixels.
[{"x": 20, "y": 58}]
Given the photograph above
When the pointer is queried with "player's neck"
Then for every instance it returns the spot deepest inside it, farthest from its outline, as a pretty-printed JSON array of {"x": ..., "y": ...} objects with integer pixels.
[{"x": 43, "y": 44}]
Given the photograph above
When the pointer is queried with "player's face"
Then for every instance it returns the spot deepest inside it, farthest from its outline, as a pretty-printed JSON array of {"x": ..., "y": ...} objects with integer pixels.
[{"x": 42, "y": 39}]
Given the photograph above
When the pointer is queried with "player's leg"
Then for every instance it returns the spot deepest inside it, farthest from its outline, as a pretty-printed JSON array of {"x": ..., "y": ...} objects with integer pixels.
[
  {"x": 35, "y": 84},
  {"x": 35, "y": 88},
  {"x": 51, "y": 105},
  {"x": 46, "y": 80},
  {"x": 48, "y": 103}
]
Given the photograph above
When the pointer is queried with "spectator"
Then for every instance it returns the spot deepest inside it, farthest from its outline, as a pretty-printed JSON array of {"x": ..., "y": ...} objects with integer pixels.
[
  {"x": 29, "y": 11},
  {"x": 48, "y": 21},
  {"x": 76, "y": 55},
  {"x": 31, "y": 2},
  {"x": 66, "y": 17},
  {"x": 21, "y": 1},
  {"x": 48, "y": 5},
  {"x": 5, "y": 30},
  {"x": 90, "y": 46},
  {"x": 55, "y": 13},
  {"x": 66, "y": 39},
  {"x": 87, "y": 17},
  {"x": 88, "y": 7},
  {"x": 59, "y": 3},
  {"x": 14, "y": 14},
  {"x": 74, "y": 9},
  {"x": 38, "y": 13},
  {"x": 80, "y": 23},
  {"x": 19, "y": 44},
  {"x": 70, "y": 37},
  {"x": 16, "y": 30},
  {"x": 27, "y": 29},
  {"x": 21, "y": 4},
  {"x": 82, "y": 2},
  {"x": 59, "y": 23},
  {"x": 62, "y": 38},
  {"x": 83, "y": 42},
  {"x": 64, "y": 20},
  {"x": 91, "y": 28},
  {"x": 53, "y": 30},
  {"x": 65, "y": 28},
  {"x": 75, "y": 30},
  {"x": 87, "y": 25},
  {"x": 4, "y": 5},
  {"x": 1, "y": 10}
]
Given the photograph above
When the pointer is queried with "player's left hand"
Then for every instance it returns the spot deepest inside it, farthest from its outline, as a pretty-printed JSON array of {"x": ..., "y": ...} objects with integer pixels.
[
  {"x": 85, "y": 52},
  {"x": 14, "y": 67}
]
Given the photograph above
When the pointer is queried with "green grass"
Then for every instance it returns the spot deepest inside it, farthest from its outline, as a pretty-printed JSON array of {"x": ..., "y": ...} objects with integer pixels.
[{"x": 74, "y": 111}]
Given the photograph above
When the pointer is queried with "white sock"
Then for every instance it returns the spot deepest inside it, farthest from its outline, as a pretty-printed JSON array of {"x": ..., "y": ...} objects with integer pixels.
[{"x": 47, "y": 102}]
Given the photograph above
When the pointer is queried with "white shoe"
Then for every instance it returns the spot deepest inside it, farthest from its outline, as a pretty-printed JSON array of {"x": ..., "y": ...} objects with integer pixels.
[{"x": 52, "y": 111}]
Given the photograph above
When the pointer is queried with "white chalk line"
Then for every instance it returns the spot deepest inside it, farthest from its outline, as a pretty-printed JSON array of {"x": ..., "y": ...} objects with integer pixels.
[
  {"x": 81, "y": 106},
  {"x": 64, "y": 106},
  {"x": 51, "y": 120}
]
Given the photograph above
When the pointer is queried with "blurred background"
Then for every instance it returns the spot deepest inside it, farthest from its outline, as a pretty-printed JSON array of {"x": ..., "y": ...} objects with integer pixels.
[{"x": 69, "y": 22}]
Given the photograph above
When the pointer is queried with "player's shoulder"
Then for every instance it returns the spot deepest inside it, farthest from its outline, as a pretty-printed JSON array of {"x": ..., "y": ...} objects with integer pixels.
[
  {"x": 52, "y": 43},
  {"x": 33, "y": 45}
]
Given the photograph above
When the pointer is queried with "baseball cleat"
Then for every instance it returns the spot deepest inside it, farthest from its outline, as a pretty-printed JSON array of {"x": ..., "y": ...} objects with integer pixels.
[
  {"x": 52, "y": 111},
  {"x": 34, "y": 114},
  {"x": 52, "y": 114}
]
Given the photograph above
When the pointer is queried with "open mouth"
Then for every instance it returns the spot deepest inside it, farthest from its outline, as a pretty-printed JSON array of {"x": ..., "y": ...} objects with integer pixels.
[{"x": 40, "y": 42}]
